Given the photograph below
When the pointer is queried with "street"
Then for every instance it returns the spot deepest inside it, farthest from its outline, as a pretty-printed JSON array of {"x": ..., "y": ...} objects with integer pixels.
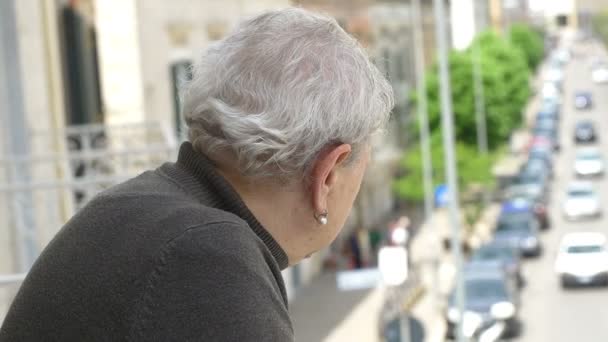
[{"x": 548, "y": 312}]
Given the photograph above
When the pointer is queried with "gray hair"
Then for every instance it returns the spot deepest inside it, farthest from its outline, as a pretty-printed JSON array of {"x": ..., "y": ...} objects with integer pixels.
[{"x": 281, "y": 88}]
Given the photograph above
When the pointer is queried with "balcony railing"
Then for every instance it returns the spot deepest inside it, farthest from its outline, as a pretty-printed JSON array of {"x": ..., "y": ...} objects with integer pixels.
[{"x": 40, "y": 192}]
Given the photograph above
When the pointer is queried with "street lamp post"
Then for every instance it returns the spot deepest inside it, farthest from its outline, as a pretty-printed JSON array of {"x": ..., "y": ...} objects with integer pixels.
[
  {"x": 480, "y": 105},
  {"x": 450, "y": 160},
  {"x": 15, "y": 137},
  {"x": 480, "y": 115},
  {"x": 421, "y": 106}
]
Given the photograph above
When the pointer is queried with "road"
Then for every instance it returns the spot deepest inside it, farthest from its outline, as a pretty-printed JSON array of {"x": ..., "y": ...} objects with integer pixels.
[{"x": 550, "y": 313}]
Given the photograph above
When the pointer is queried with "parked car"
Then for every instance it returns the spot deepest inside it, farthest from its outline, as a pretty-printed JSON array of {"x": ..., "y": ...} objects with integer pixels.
[
  {"x": 537, "y": 166},
  {"x": 521, "y": 232},
  {"x": 507, "y": 257},
  {"x": 491, "y": 295},
  {"x": 554, "y": 74},
  {"x": 583, "y": 100},
  {"x": 550, "y": 89},
  {"x": 563, "y": 55},
  {"x": 543, "y": 153},
  {"x": 582, "y": 259},
  {"x": 548, "y": 129},
  {"x": 534, "y": 185},
  {"x": 584, "y": 132},
  {"x": 540, "y": 141},
  {"x": 549, "y": 107},
  {"x": 599, "y": 74},
  {"x": 581, "y": 201},
  {"x": 545, "y": 120},
  {"x": 519, "y": 205},
  {"x": 588, "y": 162}
]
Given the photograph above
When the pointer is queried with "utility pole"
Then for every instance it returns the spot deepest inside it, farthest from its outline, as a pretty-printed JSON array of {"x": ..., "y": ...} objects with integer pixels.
[
  {"x": 480, "y": 103},
  {"x": 16, "y": 140},
  {"x": 447, "y": 126},
  {"x": 422, "y": 107}
]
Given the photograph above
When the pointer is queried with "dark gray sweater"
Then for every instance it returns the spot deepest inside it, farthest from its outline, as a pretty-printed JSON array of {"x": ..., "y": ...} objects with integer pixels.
[{"x": 171, "y": 255}]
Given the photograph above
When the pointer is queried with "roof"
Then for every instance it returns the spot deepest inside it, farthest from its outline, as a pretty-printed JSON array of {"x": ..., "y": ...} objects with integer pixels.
[
  {"x": 517, "y": 205},
  {"x": 484, "y": 270},
  {"x": 583, "y": 238}
]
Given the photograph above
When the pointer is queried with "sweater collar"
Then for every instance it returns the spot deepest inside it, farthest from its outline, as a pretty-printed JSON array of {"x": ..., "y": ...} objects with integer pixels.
[{"x": 208, "y": 182}]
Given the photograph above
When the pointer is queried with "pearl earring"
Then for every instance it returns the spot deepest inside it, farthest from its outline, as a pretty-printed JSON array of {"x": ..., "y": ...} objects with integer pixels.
[{"x": 322, "y": 218}]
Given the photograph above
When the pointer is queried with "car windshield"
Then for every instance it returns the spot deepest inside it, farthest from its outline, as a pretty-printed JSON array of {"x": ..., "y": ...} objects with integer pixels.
[
  {"x": 588, "y": 155},
  {"x": 584, "y": 249},
  {"x": 544, "y": 131},
  {"x": 541, "y": 153},
  {"x": 529, "y": 178},
  {"x": 493, "y": 253},
  {"x": 549, "y": 109},
  {"x": 485, "y": 288},
  {"x": 580, "y": 193},
  {"x": 514, "y": 222},
  {"x": 584, "y": 125}
]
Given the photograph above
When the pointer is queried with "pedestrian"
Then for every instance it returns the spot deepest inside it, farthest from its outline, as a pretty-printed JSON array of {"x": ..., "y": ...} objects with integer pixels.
[{"x": 280, "y": 116}]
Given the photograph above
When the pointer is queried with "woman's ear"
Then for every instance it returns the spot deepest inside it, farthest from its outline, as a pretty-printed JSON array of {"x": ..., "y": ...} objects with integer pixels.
[{"x": 324, "y": 174}]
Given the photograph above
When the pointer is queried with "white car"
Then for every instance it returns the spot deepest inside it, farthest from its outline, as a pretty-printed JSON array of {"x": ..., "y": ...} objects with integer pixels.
[
  {"x": 582, "y": 201},
  {"x": 582, "y": 259},
  {"x": 588, "y": 162},
  {"x": 600, "y": 74},
  {"x": 563, "y": 56},
  {"x": 554, "y": 75},
  {"x": 550, "y": 90}
]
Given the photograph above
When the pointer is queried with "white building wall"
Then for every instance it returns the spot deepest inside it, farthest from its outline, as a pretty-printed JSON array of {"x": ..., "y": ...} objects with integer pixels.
[
  {"x": 43, "y": 102},
  {"x": 170, "y": 31},
  {"x": 462, "y": 23},
  {"x": 119, "y": 61}
]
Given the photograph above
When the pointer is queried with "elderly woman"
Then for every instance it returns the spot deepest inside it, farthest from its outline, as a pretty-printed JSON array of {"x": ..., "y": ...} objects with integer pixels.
[{"x": 280, "y": 117}]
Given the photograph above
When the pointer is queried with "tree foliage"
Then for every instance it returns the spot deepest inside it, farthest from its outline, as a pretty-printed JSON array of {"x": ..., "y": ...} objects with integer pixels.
[
  {"x": 472, "y": 168},
  {"x": 505, "y": 77},
  {"x": 529, "y": 41}
]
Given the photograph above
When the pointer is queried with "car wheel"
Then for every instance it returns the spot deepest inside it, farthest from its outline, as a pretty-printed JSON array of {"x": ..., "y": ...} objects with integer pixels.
[
  {"x": 514, "y": 329},
  {"x": 564, "y": 283}
]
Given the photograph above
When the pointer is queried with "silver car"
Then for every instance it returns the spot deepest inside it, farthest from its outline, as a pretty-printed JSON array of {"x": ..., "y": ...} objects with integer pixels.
[
  {"x": 582, "y": 259},
  {"x": 582, "y": 201},
  {"x": 588, "y": 162}
]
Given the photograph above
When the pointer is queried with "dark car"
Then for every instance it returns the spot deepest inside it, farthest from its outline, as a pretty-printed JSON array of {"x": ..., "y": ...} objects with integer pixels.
[
  {"x": 549, "y": 129},
  {"x": 541, "y": 153},
  {"x": 537, "y": 166},
  {"x": 522, "y": 204},
  {"x": 506, "y": 256},
  {"x": 491, "y": 296},
  {"x": 549, "y": 108},
  {"x": 546, "y": 120},
  {"x": 584, "y": 132},
  {"x": 548, "y": 113},
  {"x": 529, "y": 185},
  {"x": 583, "y": 100},
  {"x": 519, "y": 231}
]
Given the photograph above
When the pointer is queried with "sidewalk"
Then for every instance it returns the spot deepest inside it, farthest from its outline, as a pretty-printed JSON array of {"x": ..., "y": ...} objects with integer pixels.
[
  {"x": 437, "y": 269},
  {"x": 321, "y": 312}
]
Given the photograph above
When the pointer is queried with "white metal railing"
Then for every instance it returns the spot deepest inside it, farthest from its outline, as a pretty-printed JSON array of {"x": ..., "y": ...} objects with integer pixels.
[
  {"x": 11, "y": 279},
  {"x": 41, "y": 191}
]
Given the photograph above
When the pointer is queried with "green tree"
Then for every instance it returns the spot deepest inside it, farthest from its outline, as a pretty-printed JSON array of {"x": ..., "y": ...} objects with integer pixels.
[
  {"x": 472, "y": 169},
  {"x": 529, "y": 41},
  {"x": 504, "y": 101},
  {"x": 510, "y": 65},
  {"x": 506, "y": 90}
]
